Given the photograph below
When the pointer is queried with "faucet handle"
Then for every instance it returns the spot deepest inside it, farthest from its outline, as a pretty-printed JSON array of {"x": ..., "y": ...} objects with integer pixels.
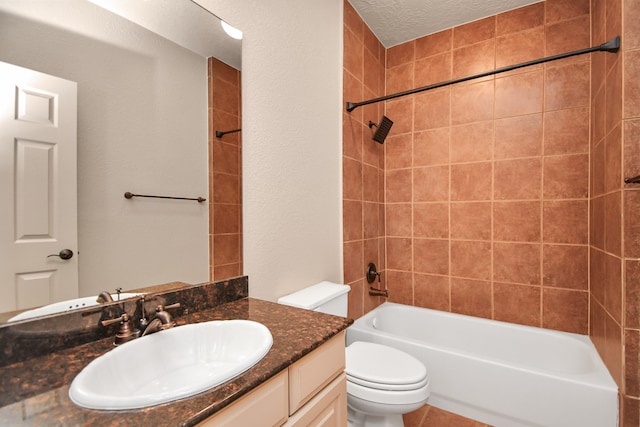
[
  {"x": 372, "y": 272},
  {"x": 124, "y": 318},
  {"x": 125, "y": 333},
  {"x": 161, "y": 307}
]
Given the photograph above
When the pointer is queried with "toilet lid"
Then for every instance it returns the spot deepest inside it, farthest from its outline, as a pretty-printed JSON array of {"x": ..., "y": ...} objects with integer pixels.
[{"x": 378, "y": 366}]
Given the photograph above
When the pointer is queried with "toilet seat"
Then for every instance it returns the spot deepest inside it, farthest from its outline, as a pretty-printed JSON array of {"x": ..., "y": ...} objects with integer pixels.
[
  {"x": 381, "y": 367},
  {"x": 386, "y": 397},
  {"x": 389, "y": 387}
]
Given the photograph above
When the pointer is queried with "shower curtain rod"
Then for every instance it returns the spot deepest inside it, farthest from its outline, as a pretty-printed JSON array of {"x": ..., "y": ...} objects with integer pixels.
[{"x": 612, "y": 45}]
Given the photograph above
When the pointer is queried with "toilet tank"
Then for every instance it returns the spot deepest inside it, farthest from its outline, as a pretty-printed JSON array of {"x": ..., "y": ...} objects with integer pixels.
[{"x": 325, "y": 297}]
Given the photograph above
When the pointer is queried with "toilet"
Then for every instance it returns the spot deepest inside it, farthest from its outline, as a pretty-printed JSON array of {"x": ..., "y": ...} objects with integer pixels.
[{"x": 382, "y": 382}]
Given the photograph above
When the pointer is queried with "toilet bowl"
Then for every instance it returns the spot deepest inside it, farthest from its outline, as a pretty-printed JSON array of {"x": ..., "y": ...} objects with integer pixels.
[{"x": 383, "y": 383}]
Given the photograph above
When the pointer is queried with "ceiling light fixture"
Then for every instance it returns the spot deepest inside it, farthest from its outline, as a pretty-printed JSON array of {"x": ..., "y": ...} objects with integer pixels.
[{"x": 231, "y": 31}]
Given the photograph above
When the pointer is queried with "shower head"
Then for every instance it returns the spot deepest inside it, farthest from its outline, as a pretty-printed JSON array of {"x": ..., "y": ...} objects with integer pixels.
[{"x": 382, "y": 129}]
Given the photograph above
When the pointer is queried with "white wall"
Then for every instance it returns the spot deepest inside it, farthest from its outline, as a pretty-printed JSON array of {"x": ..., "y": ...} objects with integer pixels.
[
  {"x": 291, "y": 136},
  {"x": 142, "y": 128}
]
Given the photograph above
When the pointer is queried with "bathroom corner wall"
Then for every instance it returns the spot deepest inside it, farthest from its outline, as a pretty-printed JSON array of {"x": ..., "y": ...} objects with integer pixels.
[
  {"x": 225, "y": 172},
  {"x": 615, "y": 269},
  {"x": 487, "y": 182},
  {"x": 606, "y": 243},
  {"x": 615, "y": 248},
  {"x": 363, "y": 162}
]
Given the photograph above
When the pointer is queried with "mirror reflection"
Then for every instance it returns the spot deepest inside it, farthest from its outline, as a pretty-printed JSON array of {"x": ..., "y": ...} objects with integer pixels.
[{"x": 148, "y": 101}]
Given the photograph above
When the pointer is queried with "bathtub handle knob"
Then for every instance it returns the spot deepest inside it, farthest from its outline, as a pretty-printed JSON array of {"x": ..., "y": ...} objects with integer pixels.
[{"x": 372, "y": 272}]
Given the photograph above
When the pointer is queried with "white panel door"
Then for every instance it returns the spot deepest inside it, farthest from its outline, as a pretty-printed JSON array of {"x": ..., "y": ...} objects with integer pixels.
[{"x": 38, "y": 195}]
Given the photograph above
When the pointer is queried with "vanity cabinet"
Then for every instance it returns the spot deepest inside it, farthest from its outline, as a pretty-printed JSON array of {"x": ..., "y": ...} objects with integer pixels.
[
  {"x": 326, "y": 409},
  {"x": 311, "y": 392},
  {"x": 267, "y": 405}
]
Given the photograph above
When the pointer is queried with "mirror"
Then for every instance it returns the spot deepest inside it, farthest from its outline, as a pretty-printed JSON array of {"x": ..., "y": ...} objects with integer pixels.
[{"x": 143, "y": 127}]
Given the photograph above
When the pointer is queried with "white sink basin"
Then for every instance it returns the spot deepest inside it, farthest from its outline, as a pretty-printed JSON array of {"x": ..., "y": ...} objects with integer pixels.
[
  {"x": 60, "y": 307},
  {"x": 170, "y": 365}
]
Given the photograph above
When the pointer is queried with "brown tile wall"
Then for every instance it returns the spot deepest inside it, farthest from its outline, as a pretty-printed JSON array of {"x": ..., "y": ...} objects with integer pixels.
[
  {"x": 606, "y": 193},
  {"x": 225, "y": 172},
  {"x": 487, "y": 182},
  {"x": 363, "y": 162},
  {"x": 504, "y": 196},
  {"x": 615, "y": 248}
]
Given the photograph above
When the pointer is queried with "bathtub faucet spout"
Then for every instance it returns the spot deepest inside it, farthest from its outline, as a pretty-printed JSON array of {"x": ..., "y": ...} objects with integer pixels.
[{"x": 376, "y": 292}]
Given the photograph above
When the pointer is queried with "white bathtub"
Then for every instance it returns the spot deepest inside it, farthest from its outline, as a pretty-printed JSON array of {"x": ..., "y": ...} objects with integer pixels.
[{"x": 499, "y": 373}]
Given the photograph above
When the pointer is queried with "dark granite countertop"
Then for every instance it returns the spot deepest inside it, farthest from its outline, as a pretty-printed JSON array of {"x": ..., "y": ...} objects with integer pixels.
[{"x": 35, "y": 392}]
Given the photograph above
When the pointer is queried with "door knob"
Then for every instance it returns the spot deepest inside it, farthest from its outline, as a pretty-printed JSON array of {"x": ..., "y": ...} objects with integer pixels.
[{"x": 63, "y": 254}]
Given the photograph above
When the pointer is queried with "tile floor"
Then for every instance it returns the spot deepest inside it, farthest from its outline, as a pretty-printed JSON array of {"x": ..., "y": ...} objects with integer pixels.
[{"x": 429, "y": 416}]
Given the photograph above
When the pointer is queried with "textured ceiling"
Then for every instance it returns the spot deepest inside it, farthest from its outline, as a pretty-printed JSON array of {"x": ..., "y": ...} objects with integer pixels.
[{"x": 397, "y": 21}]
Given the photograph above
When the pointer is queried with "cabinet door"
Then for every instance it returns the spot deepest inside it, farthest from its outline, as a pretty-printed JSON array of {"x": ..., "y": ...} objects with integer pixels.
[
  {"x": 266, "y": 406},
  {"x": 327, "y": 409},
  {"x": 313, "y": 372}
]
